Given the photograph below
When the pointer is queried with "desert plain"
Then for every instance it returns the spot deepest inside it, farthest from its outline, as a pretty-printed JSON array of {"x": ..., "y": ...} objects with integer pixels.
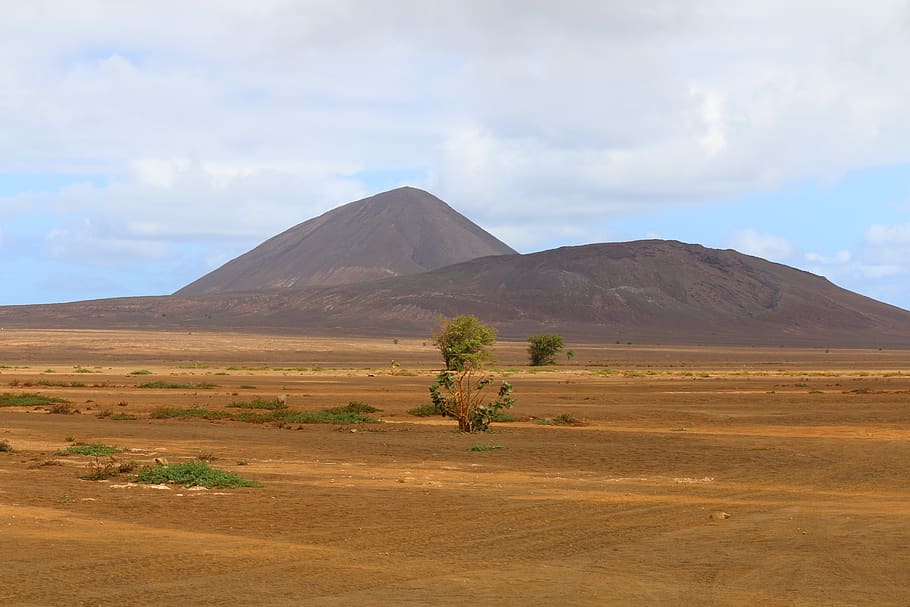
[{"x": 806, "y": 450}]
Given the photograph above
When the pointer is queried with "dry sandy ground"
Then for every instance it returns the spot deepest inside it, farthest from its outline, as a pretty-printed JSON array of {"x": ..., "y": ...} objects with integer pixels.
[{"x": 806, "y": 450}]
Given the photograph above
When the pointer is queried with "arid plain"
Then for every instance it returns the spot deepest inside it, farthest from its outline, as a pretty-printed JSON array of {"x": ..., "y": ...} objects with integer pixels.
[{"x": 806, "y": 450}]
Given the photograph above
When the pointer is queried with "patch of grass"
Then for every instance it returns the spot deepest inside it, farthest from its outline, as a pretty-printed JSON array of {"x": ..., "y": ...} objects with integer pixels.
[
  {"x": 502, "y": 416},
  {"x": 194, "y": 473},
  {"x": 259, "y": 403},
  {"x": 427, "y": 410},
  {"x": 141, "y": 372},
  {"x": 123, "y": 417},
  {"x": 326, "y": 417},
  {"x": 93, "y": 450},
  {"x": 83, "y": 370},
  {"x": 188, "y": 412},
  {"x": 60, "y": 384},
  {"x": 485, "y": 447},
  {"x": 353, "y": 408},
  {"x": 28, "y": 399},
  {"x": 246, "y": 387},
  {"x": 174, "y": 386},
  {"x": 563, "y": 419}
]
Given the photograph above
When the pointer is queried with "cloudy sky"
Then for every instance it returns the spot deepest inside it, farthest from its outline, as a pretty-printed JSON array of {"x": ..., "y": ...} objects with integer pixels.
[{"x": 144, "y": 143}]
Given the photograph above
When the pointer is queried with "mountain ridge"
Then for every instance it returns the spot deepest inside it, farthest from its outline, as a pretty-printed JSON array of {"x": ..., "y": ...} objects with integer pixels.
[
  {"x": 402, "y": 231},
  {"x": 650, "y": 291}
]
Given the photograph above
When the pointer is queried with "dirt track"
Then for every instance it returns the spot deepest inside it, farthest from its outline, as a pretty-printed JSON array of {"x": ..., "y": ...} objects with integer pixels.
[{"x": 806, "y": 450}]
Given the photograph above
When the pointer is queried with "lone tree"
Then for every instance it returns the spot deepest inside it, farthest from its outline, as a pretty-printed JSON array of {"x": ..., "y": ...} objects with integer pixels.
[
  {"x": 543, "y": 349},
  {"x": 464, "y": 342}
]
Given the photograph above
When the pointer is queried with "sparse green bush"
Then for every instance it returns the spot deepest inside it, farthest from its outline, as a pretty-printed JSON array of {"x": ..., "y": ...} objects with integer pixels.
[
  {"x": 563, "y": 419},
  {"x": 486, "y": 447},
  {"x": 141, "y": 372},
  {"x": 93, "y": 450},
  {"x": 197, "y": 412},
  {"x": 259, "y": 404},
  {"x": 424, "y": 411},
  {"x": 28, "y": 399},
  {"x": 463, "y": 343},
  {"x": 353, "y": 408},
  {"x": 542, "y": 349},
  {"x": 99, "y": 470},
  {"x": 192, "y": 474},
  {"x": 175, "y": 386}
]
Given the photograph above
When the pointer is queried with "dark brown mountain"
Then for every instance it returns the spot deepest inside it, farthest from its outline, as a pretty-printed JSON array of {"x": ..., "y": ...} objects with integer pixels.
[
  {"x": 643, "y": 292},
  {"x": 403, "y": 231}
]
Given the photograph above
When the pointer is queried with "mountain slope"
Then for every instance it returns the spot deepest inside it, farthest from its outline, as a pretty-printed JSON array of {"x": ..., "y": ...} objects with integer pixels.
[
  {"x": 644, "y": 292},
  {"x": 400, "y": 232}
]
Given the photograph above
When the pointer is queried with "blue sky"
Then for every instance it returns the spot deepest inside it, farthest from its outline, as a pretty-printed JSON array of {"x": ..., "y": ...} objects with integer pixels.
[{"x": 144, "y": 144}]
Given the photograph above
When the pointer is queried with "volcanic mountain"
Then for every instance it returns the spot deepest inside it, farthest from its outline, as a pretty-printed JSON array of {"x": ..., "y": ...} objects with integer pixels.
[
  {"x": 403, "y": 231},
  {"x": 392, "y": 264},
  {"x": 644, "y": 292}
]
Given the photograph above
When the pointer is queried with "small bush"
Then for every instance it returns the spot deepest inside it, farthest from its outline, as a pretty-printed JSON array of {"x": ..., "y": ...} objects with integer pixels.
[
  {"x": 563, "y": 419},
  {"x": 99, "y": 470},
  {"x": 327, "y": 417},
  {"x": 123, "y": 417},
  {"x": 485, "y": 447},
  {"x": 61, "y": 409},
  {"x": 428, "y": 410},
  {"x": 93, "y": 450},
  {"x": 163, "y": 385},
  {"x": 259, "y": 404},
  {"x": 141, "y": 372},
  {"x": 353, "y": 408},
  {"x": 197, "y": 412},
  {"x": 28, "y": 399},
  {"x": 5, "y": 447},
  {"x": 192, "y": 474}
]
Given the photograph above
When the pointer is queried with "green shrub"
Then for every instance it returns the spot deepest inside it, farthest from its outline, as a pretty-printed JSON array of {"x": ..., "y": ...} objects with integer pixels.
[
  {"x": 141, "y": 372},
  {"x": 259, "y": 404},
  {"x": 173, "y": 386},
  {"x": 197, "y": 412},
  {"x": 192, "y": 474},
  {"x": 427, "y": 410},
  {"x": 93, "y": 450},
  {"x": 563, "y": 419},
  {"x": 353, "y": 408},
  {"x": 28, "y": 399},
  {"x": 542, "y": 349},
  {"x": 326, "y": 417},
  {"x": 485, "y": 447}
]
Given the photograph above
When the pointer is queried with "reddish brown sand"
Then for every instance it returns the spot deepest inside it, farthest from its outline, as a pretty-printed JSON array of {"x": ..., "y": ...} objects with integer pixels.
[{"x": 807, "y": 451}]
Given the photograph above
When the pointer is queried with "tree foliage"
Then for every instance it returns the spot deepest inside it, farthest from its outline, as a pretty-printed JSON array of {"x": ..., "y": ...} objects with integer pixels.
[
  {"x": 458, "y": 391},
  {"x": 463, "y": 341},
  {"x": 543, "y": 349},
  {"x": 458, "y": 394}
]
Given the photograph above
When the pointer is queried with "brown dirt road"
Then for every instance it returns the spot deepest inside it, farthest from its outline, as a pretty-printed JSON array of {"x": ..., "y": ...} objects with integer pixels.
[{"x": 807, "y": 450}]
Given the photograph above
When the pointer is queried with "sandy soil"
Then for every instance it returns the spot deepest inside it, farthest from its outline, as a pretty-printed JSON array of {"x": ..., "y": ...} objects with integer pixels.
[{"x": 806, "y": 450}]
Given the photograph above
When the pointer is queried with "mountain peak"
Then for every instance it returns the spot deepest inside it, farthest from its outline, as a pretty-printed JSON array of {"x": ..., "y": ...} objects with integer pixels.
[{"x": 399, "y": 232}]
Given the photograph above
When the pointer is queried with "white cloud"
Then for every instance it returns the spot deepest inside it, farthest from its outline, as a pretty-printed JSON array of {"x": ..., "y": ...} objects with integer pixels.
[
  {"x": 768, "y": 246},
  {"x": 841, "y": 257},
  {"x": 222, "y": 122},
  {"x": 879, "y": 235}
]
